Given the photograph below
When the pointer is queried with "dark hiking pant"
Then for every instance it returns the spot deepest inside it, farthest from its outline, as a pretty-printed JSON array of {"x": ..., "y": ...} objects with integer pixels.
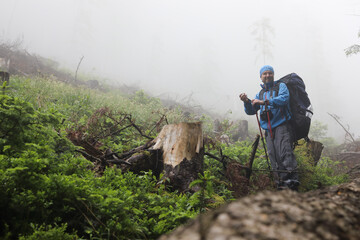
[{"x": 281, "y": 153}]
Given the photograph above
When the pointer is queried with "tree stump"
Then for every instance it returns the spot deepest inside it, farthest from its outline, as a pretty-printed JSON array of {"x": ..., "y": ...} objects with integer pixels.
[
  {"x": 4, "y": 70},
  {"x": 241, "y": 132},
  {"x": 182, "y": 151},
  {"x": 314, "y": 150},
  {"x": 4, "y": 76}
]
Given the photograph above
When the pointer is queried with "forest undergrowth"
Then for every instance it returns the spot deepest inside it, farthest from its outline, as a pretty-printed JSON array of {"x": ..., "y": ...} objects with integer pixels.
[{"x": 50, "y": 191}]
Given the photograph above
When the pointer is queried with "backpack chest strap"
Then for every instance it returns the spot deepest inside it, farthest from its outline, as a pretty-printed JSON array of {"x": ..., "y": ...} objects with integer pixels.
[{"x": 275, "y": 89}]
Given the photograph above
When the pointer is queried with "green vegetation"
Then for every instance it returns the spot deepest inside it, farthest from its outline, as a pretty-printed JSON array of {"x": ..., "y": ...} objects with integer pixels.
[
  {"x": 323, "y": 174},
  {"x": 49, "y": 191}
]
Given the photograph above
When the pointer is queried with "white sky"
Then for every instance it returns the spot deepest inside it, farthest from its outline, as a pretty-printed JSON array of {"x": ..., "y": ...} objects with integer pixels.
[{"x": 203, "y": 47}]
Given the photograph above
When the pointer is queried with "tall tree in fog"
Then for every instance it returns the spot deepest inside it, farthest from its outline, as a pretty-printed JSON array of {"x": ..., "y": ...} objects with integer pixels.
[
  {"x": 354, "y": 49},
  {"x": 263, "y": 32}
]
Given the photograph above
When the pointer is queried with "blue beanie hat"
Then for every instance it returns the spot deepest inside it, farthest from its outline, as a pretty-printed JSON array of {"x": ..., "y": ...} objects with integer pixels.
[{"x": 266, "y": 68}]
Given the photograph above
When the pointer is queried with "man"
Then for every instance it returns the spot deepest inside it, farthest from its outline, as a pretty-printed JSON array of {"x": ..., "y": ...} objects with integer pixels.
[{"x": 274, "y": 119}]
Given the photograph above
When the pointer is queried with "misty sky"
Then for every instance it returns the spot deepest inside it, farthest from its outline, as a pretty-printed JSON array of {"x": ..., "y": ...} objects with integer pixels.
[{"x": 175, "y": 48}]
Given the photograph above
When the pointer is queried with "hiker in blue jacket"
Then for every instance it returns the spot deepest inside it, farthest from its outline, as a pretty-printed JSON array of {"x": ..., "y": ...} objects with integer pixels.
[{"x": 274, "y": 119}]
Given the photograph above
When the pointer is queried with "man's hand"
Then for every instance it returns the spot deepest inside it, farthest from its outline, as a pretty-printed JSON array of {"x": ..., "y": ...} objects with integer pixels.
[
  {"x": 243, "y": 97},
  {"x": 257, "y": 101}
]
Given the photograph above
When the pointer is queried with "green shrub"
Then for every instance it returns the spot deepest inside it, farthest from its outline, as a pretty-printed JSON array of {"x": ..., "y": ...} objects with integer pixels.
[
  {"x": 45, "y": 184},
  {"x": 49, "y": 233},
  {"x": 314, "y": 177}
]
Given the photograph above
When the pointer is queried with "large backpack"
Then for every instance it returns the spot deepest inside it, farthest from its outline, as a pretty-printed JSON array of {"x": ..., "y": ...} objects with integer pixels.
[{"x": 300, "y": 106}]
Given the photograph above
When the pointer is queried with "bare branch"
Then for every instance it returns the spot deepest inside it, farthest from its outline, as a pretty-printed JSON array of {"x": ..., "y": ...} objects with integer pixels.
[
  {"x": 213, "y": 156},
  {"x": 252, "y": 156},
  {"x": 337, "y": 120},
  {"x": 135, "y": 150},
  {"x": 138, "y": 129},
  {"x": 78, "y": 67},
  {"x": 88, "y": 156}
]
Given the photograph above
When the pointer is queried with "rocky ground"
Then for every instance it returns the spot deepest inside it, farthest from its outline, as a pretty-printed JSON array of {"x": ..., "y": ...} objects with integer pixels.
[{"x": 330, "y": 213}]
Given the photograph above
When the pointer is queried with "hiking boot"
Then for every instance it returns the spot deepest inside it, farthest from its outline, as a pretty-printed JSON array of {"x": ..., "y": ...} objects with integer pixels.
[
  {"x": 292, "y": 184},
  {"x": 281, "y": 186},
  {"x": 288, "y": 184}
]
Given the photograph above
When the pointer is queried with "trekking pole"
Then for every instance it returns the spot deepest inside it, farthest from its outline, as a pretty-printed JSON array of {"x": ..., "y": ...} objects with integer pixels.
[
  {"x": 269, "y": 124},
  {"x": 262, "y": 139}
]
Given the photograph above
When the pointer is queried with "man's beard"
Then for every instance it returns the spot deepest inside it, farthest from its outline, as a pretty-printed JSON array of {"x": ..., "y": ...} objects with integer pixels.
[{"x": 268, "y": 80}]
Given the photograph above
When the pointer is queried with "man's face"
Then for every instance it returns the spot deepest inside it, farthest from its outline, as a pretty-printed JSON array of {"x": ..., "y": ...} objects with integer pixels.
[{"x": 267, "y": 77}]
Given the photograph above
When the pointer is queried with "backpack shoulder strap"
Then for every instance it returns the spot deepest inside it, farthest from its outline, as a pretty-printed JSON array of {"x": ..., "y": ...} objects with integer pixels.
[
  {"x": 261, "y": 94},
  {"x": 275, "y": 89}
]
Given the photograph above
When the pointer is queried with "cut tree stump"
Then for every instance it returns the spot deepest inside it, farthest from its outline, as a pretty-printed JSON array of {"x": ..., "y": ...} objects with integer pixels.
[
  {"x": 241, "y": 132},
  {"x": 182, "y": 151},
  {"x": 314, "y": 150}
]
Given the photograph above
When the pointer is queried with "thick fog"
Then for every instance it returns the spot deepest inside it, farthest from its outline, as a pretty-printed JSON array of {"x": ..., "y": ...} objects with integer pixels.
[{"x": 202, "y": 48}]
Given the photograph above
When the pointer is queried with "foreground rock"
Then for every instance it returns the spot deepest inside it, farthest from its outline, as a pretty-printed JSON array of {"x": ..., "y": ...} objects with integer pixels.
[{"x": 331, "y": 213}]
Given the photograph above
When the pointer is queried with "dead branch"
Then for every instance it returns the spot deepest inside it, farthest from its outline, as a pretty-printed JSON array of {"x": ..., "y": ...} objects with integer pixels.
[
  {"x": 213, "y": 156},
  {"x": 157, "y": 125},
  {"x": 112, "y": 133},
  {"x": 88, "y": 156},
  {"x": 136, "y": 150},
  {"x": 138, "y": 129},
  {"x": 119, "y": 161},
  {"x": 118, "y": 122},
  {"x": 141, "y": 133},
  {"x": 109, "y": 154},
  {"x": 78, "y": 67},
  {"x": 221, "y": 159},
  {"x": 336, "y": 119},
  {"x": 252, "y": 156}
]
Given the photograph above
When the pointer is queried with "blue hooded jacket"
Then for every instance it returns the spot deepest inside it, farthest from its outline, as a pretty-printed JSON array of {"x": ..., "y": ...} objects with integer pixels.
[{"x": 278, "y": 105}]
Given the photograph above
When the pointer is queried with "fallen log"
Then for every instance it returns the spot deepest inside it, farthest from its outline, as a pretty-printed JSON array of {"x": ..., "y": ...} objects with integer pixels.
[{"x": 330, "y": 213}]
